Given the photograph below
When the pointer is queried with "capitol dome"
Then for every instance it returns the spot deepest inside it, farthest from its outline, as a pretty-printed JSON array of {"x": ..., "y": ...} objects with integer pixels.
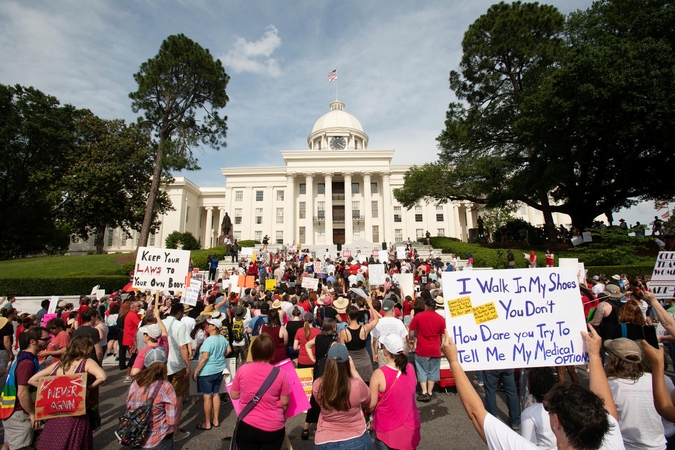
[{"x": 337, "y": 130}]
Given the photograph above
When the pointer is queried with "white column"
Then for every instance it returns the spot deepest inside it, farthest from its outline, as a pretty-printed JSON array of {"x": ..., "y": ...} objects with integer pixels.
[
  {"x": 289, "y": 213},
  {"x": 349, "y": 223},
  {"x": 456, "y": 231},
  {"x": 209, "y": 231},
  {"x": 387, "y": 218},
  {"x": 367, "y": 210},
  {"x": 328, "y": 214},
  {"x": 309, "y": 212}
]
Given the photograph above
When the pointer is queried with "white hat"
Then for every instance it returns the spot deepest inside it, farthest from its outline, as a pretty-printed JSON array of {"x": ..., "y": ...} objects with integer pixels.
[
  {"x": 152, "y": 330},
  {"x": 393, "y": 343},
  {"x": 216, "y": 323}
]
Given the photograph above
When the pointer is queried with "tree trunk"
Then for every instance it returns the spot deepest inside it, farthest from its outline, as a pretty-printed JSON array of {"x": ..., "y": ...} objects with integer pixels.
[
  {"x": 549, "y": 226},
  {"x": 152, "y": 196},
  {"x": 100, "y": 237}
]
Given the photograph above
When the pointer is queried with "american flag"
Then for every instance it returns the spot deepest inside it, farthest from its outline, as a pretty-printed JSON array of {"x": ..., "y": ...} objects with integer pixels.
[{"x": 332, "y": 76}]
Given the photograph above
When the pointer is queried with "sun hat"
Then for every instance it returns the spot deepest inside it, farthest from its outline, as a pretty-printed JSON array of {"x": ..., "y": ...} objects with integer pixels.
[
  {"x": 154, "y": 355},
  {"x": 208, "y": 310},
  {"x": 217, "y": 315},
  {"x": 328, "y": 300},
  {"x": 393, "y": 343},
  {"x": 200, "y": 319},
  {"x": 387, "y": 305},
  {"x": 152, "y": 330},
  {"x": 339, "y": 353},
  {"x": 625, "y": 349},
  {"x": 612, "y": 290},
  {"x": 276, "y": 304},
  {"x": 341, "y": 303},
  {"x": 215, "y": 322},
  {"x": 239, "y": 312},
  {"x": 439, "y": 301}
]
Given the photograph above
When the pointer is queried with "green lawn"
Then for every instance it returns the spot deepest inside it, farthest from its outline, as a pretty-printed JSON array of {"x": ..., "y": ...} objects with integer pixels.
[{"x": 63, "y": 266}]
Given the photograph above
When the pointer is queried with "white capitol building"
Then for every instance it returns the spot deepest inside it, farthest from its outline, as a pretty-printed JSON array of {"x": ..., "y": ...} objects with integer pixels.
[{"x": 338, "y": 191}]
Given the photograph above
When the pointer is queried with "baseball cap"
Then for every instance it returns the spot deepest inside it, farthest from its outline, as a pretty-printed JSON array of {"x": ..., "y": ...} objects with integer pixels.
[
  {"x": 387, "y": 305},
  {"x": 339, "y": 353},
  {"x": 215, "y": 322},
  {"x": 393, "y": 343},
  {"x": 154, "y": 355},
  {"x": 152, "y": 330},
  {"x": 626, "y": 349}
]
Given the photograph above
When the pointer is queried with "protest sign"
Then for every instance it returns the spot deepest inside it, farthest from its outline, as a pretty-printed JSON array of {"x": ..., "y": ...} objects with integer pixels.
[
  {"x": 191, "y": 294},
  {"x": 306, "y": 377},
  {"x": 310, "y": 283},
  {"x": 246, "y": 251},
  {"x": 46, "y": 318},
  {"x": 383, "y": 256},
  {"x": 346, "y": 253},
  {"x": 376, "y": 273},
  {"x": 249, "y": 281},
  {"x": 298, "y": 402},
  {"x": 406, "y": 282},
  {"x": 504, "y": 319},
  {"x": 270, "y": 285},
  {"x": 233, "y": 282},
  {"x": 400, "y": 252},
  {"x": 573, "y": 263},
  {"x": 61, "y": 396},
  {"x": 663, "y": 276},
  {"x": 586, "y": 236},
  {"x": 53, "y": 303},
  {"x": 161, "y": 268}
]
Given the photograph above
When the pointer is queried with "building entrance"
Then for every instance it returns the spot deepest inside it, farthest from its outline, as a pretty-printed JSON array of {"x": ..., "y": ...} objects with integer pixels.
[{"x": 338, "y": 236}]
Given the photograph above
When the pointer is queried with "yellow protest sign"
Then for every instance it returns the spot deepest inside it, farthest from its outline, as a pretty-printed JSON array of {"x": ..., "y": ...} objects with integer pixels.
[
  {"x": 306, "y": 379},
  {"x": 460, "y": 306},
  {"x": 485, "y": 313},
  {"x": 270, "y": 285}
]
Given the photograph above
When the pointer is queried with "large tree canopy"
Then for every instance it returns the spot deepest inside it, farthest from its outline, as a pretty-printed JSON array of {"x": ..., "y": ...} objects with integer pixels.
[
  {"x": 578, "y": 111},
  {"x": 179, "y": 91}
]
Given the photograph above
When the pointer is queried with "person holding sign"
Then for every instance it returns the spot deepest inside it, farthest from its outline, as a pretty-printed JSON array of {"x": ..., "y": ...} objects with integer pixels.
[
  {"x": 579, "y": 418},
  {"x": 66, "y": 433}
]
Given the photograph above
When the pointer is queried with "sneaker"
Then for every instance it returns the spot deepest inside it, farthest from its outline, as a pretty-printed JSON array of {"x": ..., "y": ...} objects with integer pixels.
[
  {"x": 480, "y": 383},
  {"x": 423, "y": 397},
  {"x": 182, "y": 434},
  {"x": 128, "y": 380},
  {"x": 431, "y": 396}
]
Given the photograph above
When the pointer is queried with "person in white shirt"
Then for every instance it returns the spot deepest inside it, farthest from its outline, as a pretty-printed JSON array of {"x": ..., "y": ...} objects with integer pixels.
[
  {"x": 579, "y": 418},
  {"x": 385, "y": 326},
  {"x": 535, "y": 424}
]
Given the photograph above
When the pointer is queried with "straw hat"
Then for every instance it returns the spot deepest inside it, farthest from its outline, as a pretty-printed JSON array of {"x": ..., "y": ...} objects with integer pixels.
[
  {"x": 341, "y": 303},
  {"x": 276, "y": 304},
  {"x": 208, "y": 310}
]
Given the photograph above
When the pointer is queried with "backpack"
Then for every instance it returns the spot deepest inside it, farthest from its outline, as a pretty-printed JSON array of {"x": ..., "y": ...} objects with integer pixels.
[
  {"x": 238, "y": 333},
  {"x": 134, "y": 424},
  {"x": 257, "y": 326}
]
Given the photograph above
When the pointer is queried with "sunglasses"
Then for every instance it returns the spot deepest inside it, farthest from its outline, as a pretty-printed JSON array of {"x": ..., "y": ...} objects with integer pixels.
[{"x": 43, "y": 339}]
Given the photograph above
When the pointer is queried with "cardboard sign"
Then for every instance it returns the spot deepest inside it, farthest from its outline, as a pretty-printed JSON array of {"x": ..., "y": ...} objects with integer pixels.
[
  {"x": 47, "y": 317},
  {"x": 406, "y": 282},
  {"x": 61, "y": 396},
  {"x": 270, "y": 284},
  {"x": 377, "y": 274},
  {"x": 310, "y": 283},
  {"x": 306, "y": 377},
  {"x": 505, "y": 319},
  {"x": 161, "y": 268},
  {"x": 191, "y": 294},
  {"x": 250, "y": 281},
  {"x": 383, "y": 256},
  {"x": 298, "y": 403},
  {"x": 400, "y": 252}
]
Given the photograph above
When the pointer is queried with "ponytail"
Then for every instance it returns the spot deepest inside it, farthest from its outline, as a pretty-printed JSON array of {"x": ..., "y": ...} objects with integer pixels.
[
  {"x": 308, "y": 329},
  {"x": 401, "y": 361}
]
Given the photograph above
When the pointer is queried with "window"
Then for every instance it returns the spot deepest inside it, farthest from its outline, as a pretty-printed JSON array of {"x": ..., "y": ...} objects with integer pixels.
[
  {"x": 419, "y": 232},
  {"x": 151, "y": 241},
  {"x": 321, "y": 188},
  {"x": 301, "y": 210},
  {"x": 397, "y": 214},
  {"x": 238, "y": 196},
  {"x": 440, "y": 232},
  {"x": 373, "y": 187},
  {"x": 201, "y": 219},
  {"x": 280, "y": 237},
  {"x": 439, "y": 217},
  {"x": 376, "y": 233},
  {"x": 418, "y": 218},
  {"x": 303, "y": 188},
  {"x": 374, "y": 210},
  {"x": 257, "y": 235},
  {"x": 357, "y": 230},
  {"x": 259, "y": 196},
  {"x": 280, "y": 215},
  {"x": 258, "y": 216},
  {"x": 237, "y": 216},
  {"x": 418, "y": 208},
  {"x": 280, "y": 196},
  {"x": 187, "y": 214},
  {"x": 125, "y": 237},
  {"x": 321, "y": 209},
  {"x": 398, "y": 235},
  {"x": 301, "y": 235},
  {"x": 355, "y": 188},
  {"x": 110, "y": 237},
  {"x": 356, "y": 210}
]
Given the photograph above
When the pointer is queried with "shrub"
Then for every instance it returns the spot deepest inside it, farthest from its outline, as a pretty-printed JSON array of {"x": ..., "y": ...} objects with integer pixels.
[
  {"x": 60, "y": 286},
  {"x": 187, "y": 239}
]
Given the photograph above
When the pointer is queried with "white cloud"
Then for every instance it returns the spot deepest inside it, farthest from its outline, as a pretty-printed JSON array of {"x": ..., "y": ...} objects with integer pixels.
[{"x": 255, "y": 57}]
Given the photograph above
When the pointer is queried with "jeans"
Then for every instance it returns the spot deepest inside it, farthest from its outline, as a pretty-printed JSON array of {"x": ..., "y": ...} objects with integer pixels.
[
  {"x": 362, "y": 442},
  {"x": 492, "y": 378}
]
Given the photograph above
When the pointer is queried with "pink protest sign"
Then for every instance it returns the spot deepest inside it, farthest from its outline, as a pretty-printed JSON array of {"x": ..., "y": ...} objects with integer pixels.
[
  {"x": 298, "y": 402},
  {"x": 47, "y": 317}
]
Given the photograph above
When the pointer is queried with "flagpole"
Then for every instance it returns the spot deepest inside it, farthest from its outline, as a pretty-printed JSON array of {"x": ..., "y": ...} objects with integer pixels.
[{"x": 337, "y": 80}]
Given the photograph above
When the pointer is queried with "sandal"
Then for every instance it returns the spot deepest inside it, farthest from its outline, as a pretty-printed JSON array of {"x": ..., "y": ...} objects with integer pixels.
[
  {"x": 202, "y": 427},
  {"x": 215, "y": 424},
  {"x": 305, "y": 435}
]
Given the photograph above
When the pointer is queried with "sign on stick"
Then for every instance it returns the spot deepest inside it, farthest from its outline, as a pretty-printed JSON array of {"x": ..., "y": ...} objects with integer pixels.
[
  {"x": 377, "y": 275},
  {"x": 161, "y": 268},
  {"x": 663, "y": 277},
  {"x": 505, "y": 319}
]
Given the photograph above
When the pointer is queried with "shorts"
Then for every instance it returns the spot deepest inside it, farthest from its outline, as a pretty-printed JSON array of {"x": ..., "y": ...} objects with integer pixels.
[
  {"x": 18, "y": 430},
  {"x": 428, "y": 369},
  {"x": 209, "y": 384},
  {"x": 180, "y": 383},
  {"x": 407, "y": 319}
]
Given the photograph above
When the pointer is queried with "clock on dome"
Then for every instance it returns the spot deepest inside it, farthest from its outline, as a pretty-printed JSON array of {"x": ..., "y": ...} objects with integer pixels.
[{"x": 338, "y": 143}]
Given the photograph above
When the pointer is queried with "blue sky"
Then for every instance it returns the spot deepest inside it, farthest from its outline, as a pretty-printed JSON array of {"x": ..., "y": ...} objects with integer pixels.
[{"x": 393, "y": 60}]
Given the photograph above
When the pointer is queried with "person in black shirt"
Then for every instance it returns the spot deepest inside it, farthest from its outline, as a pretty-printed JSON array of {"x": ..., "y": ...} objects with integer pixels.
[{"x": 88, "y": 329}]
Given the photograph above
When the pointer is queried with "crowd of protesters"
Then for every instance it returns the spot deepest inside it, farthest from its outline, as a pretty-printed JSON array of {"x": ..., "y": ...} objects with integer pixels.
[{"x": 357, "y": 337}]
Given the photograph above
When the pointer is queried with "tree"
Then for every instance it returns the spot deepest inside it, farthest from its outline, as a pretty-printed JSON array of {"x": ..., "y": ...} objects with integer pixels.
[
  {"x": 108, "y": 180},
  {"x": 187, "y": 240},
  {"x": 37, "y": 134},
  {"x": 173, "y": 87}
]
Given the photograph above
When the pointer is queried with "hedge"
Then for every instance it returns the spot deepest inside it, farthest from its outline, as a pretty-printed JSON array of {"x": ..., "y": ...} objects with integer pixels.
[
  {"x": 60, "y": 286},
  {"x": 632, "y": 272}
]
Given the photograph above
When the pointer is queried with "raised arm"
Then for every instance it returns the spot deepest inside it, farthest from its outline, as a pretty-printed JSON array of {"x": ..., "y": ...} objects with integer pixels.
[
  {"x": 376, "y": 317},
  {"x": 665, "y": 318},
  {"x": 662, "y": 401},
  {"x": 598, "y": 381}
]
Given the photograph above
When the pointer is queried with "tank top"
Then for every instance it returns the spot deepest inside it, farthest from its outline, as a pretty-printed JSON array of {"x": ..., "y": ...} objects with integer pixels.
[
  {"x": 279, "y": 346},
  {"x": 356, "y": 343}
]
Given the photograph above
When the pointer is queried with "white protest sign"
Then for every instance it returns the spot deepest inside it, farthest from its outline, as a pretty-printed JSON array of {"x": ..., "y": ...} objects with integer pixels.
[
  {"x": 233, "y": 282},
  {"x": 161, "y": 268},
  {"x": 191, "y": 294},
  {"x": 53, "y": 303},
  {"x": 247, "y": 251},
  {"x": 587, "y": 237},
  {"x": 383, "y": 256},
  {"x": 406, "y": 282},
  {"x": 310, "y": 283},
  {"x": 376, "y": 273},
  {"x": 574, "y": 263},
  {"x": 361, "y": 258},
  {"x": 664, "y": 269},
  {"x": 577, "y": 240},
  {"x": 504, "y": 319},
  {"x": 400, "y": 252}
]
